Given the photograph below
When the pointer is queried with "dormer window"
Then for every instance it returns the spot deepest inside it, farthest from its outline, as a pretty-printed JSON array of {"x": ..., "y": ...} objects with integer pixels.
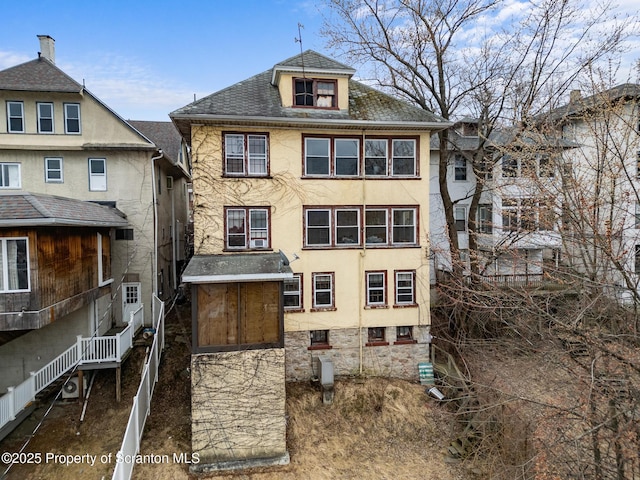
[{"x": 314, "y": 93}]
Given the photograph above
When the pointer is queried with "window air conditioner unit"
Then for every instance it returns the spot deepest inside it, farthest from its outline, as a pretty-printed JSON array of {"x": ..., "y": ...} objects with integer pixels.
[
  {"x": 258, "y": 243},
  {"x": 169, "y": 183}
]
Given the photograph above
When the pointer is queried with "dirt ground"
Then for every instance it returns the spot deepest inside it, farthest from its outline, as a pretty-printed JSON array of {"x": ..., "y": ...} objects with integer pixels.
[{"x": 376, "y": 428}]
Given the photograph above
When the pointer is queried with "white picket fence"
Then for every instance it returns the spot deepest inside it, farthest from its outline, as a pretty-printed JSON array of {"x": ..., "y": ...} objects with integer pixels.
[
  {"x": 85, "y": 351},
  {"x": 142, "y": 401}
]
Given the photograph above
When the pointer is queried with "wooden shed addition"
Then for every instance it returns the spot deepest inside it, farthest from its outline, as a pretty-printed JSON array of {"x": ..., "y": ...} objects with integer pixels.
[{"x": 237, "y": 301}]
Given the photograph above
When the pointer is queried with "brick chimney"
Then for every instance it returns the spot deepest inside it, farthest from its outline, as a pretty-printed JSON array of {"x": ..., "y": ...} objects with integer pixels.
[{"x": 47, "y": 48}]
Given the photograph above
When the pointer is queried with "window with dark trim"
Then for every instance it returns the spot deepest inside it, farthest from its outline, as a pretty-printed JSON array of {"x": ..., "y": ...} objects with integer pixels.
[
  {"x": 341, "y": 227},
  {"x": 124, "y": 234},
  {"x": 376, "y": 336},
  {"x": 293, "y": 293},
  {"x": 405, "y": 287},
  {"x": 15, "y": 117},
  {"x": 376, "y": 283},
  {"x": 246, "y": 154},
  {"x": 404, "y": 334},
  {"x": 320, "y": 93},
  {"x": 323, "y": 291},
  {"x": 247, "y": 227},
  {"x": 460, "y": 217},
  {"x": 509, "y": 166},
  {"x": 341, "y": 157},
  {"x": 319, "y": 338}
]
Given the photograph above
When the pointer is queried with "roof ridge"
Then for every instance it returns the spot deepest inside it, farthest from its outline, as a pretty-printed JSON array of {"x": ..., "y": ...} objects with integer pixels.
[{"x": 35, "y": 203}]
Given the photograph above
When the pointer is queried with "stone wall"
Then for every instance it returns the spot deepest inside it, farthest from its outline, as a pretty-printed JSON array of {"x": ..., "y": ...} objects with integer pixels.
[
  {"x": 238, "y": 409},
  {"x": 392, "y": 360}
]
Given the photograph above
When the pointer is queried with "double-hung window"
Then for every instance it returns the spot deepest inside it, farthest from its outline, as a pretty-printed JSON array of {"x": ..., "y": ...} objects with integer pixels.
[
  {"x": 245, "y": 154},
  {"x": 460, "y": 168},
  {"x": 15, "y": 117},
  {"x": 247, "y": 228},
  {"x": 376, "y": 229},
  {"x": 97, "y": 174},
  {"x": 293, "y": 292},
  {"x": 314, "y": 93},
  {"x": 53, "y": 170},
  {"x": 403, "y": 162},
  {"x": 334, "y": 226},
  {"x": 10, "y": 175},
  {"x": 346, "y": 157},
  {"x": 485, "y": 218},
  {"x": 14, "y": 264},
  {"x": 347, "y": 227},
  {"x": 323, "y": 291},
  {"x": 318, "y": 223},
  {"x": 375, "y": 157},
  {"x": 45, "y": 117},
  {"x": 326, "y": 157},
  {"x": 317, "y": 156},
  {"x": 376, "y": 289},
  {"x": 405, "y": 288},
  {"x": 72, "y": 118},
  {"x": 460, "y": 217},
  {"x": 404, "y": 226}
]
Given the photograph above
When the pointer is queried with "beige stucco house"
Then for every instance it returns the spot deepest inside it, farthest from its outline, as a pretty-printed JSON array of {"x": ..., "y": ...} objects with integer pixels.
[
  {"x": 57, "y": 140},
  {"x": 311, "y": 218}
]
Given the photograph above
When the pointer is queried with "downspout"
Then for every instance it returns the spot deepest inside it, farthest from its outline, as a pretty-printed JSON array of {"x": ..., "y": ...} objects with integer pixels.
[
  {"x": 154, "y": 264},
  {"x": 174, "y": 236},
  {"x": 363, "y": 253}
]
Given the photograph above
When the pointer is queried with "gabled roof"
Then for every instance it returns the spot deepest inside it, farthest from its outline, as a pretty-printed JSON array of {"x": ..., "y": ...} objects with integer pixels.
[
  {"x": 167, "y": 138},
  {"x": 256, "y": 101},
  {"x": 580, "y": 105},
  {"x": 20, "y": 209},
  {"x": 39, "y": 75},
  {"x": 310, "y": 62}
]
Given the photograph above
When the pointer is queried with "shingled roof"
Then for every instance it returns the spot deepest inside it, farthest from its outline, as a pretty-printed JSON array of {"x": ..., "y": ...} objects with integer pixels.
[
  {"x": 580, "y": 105},
  {"x": 39, "y": 75},
  {"x": 21, "y": 209},
  {"x": 256, "y": 101}
]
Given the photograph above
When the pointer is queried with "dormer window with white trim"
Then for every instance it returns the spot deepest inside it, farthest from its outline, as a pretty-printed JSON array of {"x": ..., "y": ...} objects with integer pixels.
[{"x": 314, "y": 93}]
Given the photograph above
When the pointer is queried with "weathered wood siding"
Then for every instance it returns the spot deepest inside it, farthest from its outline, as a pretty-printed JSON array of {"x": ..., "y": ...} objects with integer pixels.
[
  {"x": 234, "y": 314},
  {"x": 63, "y": 263}
]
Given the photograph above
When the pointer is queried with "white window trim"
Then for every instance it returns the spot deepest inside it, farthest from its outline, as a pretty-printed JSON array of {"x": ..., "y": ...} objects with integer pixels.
[
  {"x": 385, "y": 172},
  {"x": 101, "y": 282},
  {"x": 297, "y": 293},
  {"x": 331, "y": 304},
  {"x": 97, "y": 175},
  {"x": 415, "y": 226},
  {"x": 460, "y": 211},
  {"x": 19, "y": 185},
  {"x": 9, "y": 117},
  {"x": 334, "y": 159},
  {"x": 5, "y": 270},
  {"x": 306, "y": 162},
  {"x": 67, "y": 118},
  {"x": 415, "y": 163},
  {"x": 327, "y": 227},
  {"x": 412, "y": 274},
  {"x": 247, "y": 227},
  {"x": 370, "y": 289},
  {"x": 47, "y": 170},
  {"x": 336, "y": 227},
  {"x": 40, "y": 117}
]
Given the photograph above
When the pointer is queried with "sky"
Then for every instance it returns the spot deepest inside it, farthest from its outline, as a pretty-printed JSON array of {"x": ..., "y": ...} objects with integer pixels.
[{"x": 146, "y": 58}]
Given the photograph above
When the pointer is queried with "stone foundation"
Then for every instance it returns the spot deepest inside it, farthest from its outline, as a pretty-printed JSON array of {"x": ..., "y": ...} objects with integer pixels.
[
  {"x": 391, "y": 360},
  {"x": 238, "y": 409}
]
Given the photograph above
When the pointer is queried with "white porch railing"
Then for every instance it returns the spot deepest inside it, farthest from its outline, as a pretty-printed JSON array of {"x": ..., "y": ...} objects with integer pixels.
[
  {"x": 142, "y": 401},
  {"x": 85, "y": 351}
]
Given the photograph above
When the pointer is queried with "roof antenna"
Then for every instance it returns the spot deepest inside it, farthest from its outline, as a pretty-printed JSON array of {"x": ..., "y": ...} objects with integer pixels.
[{"x": 298, "y": 39}]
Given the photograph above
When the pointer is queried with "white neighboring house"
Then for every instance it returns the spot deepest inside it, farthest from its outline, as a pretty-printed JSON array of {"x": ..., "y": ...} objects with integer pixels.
[
  {"x": 604, "y": 195},
  {"x": 517, "y": 228}
]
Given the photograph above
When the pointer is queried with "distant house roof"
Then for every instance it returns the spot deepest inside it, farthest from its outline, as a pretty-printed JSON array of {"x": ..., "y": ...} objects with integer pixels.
[
  {"x": 502, "y": 138},
  {"x": 256, "y": 101},
  {"x": 578, "y": 104},
  {"x": 28, "y": 209},
  {"x": 166, "y": 137},
  {"x": 239, "y": 267},
  {"x": 39, "y": 75}
]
